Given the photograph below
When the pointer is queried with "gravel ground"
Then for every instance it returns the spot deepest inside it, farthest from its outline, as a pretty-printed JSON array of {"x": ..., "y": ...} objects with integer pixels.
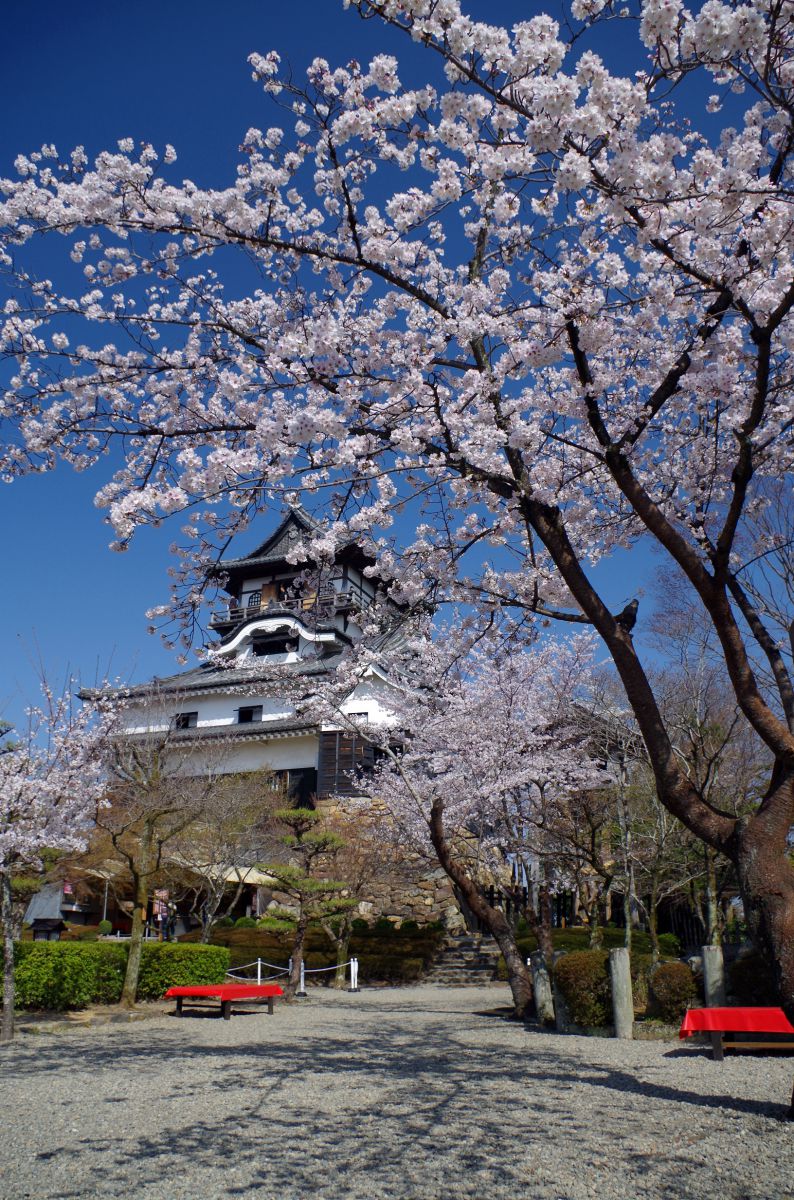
[{"x": 407, "y": 1094}]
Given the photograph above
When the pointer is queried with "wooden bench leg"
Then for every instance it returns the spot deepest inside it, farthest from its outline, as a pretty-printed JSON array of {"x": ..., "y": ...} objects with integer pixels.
[
  {"x": 717, "y": 1052},
  {"x": 270, "y": 1005},
  {"x": 179, "y": 1012},
  {"x": 226, "y": 1010}
]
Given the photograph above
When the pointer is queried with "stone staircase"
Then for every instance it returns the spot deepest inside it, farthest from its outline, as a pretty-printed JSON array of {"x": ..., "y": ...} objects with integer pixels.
[{"x": 466, "y": 960}]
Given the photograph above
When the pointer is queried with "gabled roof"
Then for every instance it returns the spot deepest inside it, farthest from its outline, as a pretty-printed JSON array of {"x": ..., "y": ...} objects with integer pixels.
[
  {"x": 293, "y": 528},
  {"x": 213, "y": 677},
  {"x": 272, "y": 554}
]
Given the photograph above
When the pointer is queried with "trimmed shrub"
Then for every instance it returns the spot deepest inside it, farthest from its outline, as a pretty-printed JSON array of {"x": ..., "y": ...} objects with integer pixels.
[
  {"x": 245, "y": 923},
  {"x": 360, "y": 925},
  {"x": 672, "y": 989},
  {"x": 583, "y": 980},
  {"x": 104, "y": 928},
  {"x": 64, "y": 975},
  {"x": 169, "y": 964},
  {"x": 751, "y": 980}
]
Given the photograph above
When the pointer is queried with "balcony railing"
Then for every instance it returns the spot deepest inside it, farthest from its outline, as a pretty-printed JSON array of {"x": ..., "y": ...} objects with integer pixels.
[{"x": 324, "y": 604}]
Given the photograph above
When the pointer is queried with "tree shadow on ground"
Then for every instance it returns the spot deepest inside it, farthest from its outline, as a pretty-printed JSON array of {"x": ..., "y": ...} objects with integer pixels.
[{"x": 299, "y": 1111}]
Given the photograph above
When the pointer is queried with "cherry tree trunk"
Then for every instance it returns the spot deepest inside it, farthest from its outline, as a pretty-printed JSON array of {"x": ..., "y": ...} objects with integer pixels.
[
  {"x": 545, "y": 943},
  {"x": 130, "y": 988},
  {"x": 9, "y": 992},
  {"x": 342, "y": 958},
  {"x": 766, "y": 879},
  {"x": 712, "y": 913},
  {"x": 653, "y": 921},
  {"x": 492, "y": 918}
]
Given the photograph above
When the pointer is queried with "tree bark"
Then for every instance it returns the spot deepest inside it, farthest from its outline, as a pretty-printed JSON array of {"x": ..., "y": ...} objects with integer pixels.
[
  {"x": 141, "y": 890},
  {"x": 766, "y": 880},
  {"x": 545, "y": 943},
  {"x": 653, "y": 921},
  {"x": 293, "y": 983},
  {"x": 492, "y": 918},
  {"x": 9, "y": 991},
  {"x": 712, "y": 912}
]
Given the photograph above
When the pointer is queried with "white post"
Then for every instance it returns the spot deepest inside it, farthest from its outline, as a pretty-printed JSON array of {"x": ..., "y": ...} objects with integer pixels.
[
  {"x": 258, "y": 971},
  {"x": 302, "y": 989},
  {"x": 353, "y": 975}
]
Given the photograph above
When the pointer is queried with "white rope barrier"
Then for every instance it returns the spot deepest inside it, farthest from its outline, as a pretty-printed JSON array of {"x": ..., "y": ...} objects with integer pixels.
[{"x": 259, "y": 963}]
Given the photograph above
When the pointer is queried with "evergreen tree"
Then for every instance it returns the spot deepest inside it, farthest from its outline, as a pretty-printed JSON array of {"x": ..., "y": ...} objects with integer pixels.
[{"x": 312, "y": 897}]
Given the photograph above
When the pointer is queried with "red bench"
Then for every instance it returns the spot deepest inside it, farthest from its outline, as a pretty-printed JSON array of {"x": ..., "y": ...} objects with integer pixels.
[
  {"x": 226, "y": 993},
  {"x": 718, "y": 1022}
]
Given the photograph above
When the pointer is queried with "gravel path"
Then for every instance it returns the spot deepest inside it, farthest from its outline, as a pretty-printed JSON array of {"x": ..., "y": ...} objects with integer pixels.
[{"x": 410, "y": 1094}]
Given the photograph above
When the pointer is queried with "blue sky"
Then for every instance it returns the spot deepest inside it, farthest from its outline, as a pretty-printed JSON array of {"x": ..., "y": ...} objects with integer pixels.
[{"x": 90, "y": 73}]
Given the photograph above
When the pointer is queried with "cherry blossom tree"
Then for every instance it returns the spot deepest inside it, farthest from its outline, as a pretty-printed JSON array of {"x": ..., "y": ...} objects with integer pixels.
[
  {"x": 481, "y": 746},
  {"x": 51, "y": 780},
  {"x": 548, "y": 305}
]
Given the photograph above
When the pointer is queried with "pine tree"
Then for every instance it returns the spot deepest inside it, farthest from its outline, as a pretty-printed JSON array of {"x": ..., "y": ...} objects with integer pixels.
[{"x": 312, "y": 897}]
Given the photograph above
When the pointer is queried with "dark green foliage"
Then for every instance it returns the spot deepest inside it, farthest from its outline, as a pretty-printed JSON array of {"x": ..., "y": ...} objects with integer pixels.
[
  {"x": 583, "y": 980},
  {"x": 80, "y": 933},
  {"x": 672, "y": 989},
  {"x": 577, "y": 938},
  {"x": 383, "y": 957},
  {"x": 751, "y": 981},
  {"x": 390, "y": 968},
  {"x": 68, "y": 975},
  {"x": 245, "y": 923},
  {"x": 641, "y": 967},
  {"x": 169, "y": 964},
  {"x": 104, "y": 928},
  {"x": 64, "y": 975},
  {"x": 384, "y": 927},
  {"x": 224, "y": 923},
  {"x": 409, "y": 927},
  {"x": 360, "y": 925}
]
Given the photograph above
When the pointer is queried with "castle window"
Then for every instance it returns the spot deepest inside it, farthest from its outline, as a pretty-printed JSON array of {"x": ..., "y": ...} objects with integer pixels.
[
  {"x": 249, "y": 714},
  {"x": 262, "y": 647},
  {"x": 185, "y": 720}
]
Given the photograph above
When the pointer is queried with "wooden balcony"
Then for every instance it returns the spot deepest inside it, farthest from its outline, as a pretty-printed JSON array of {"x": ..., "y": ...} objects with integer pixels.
[{"x": 322, "y": 605}]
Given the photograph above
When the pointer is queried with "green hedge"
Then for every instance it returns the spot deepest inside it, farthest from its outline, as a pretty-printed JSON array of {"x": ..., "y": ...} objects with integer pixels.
[
  {"x": 169, "y": 964},
  {"x": 672, "y": 990},
  {"x": 67, "y": 975},
  {"x": 62, "y": 975}
]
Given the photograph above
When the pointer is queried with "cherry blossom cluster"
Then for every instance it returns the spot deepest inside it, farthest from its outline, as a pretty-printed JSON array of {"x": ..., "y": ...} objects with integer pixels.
[
  {"x": 557, "y": 291},
  {"x": 52, "y": 780}
]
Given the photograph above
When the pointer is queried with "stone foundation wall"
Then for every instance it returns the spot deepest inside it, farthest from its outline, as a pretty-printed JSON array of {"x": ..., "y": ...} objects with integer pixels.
[{"x": 403, "y": 885}]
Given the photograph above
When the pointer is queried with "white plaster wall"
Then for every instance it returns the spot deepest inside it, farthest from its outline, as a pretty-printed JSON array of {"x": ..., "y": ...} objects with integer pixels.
[
  {"x": 212, "y": 711},
  {"x": 371, "y": 696},
  {"x": 280, "y": 754}
]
